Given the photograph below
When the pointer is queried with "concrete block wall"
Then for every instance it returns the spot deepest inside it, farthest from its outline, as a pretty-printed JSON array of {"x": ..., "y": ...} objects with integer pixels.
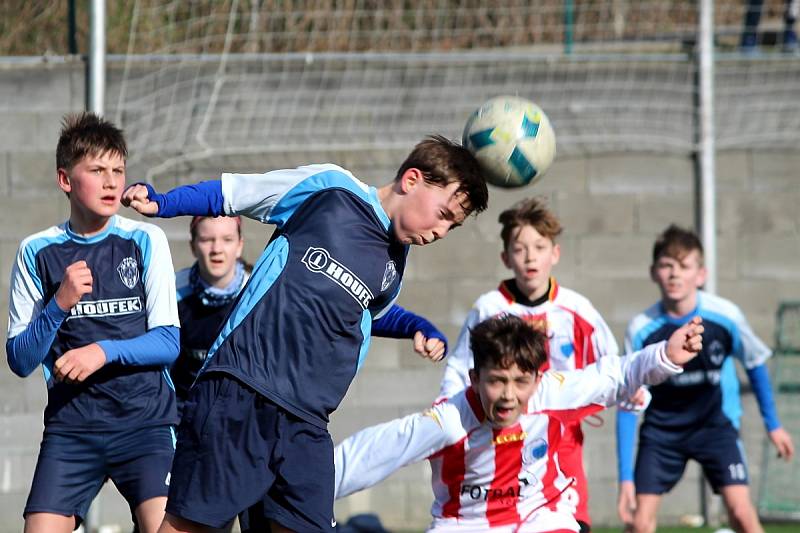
[{"x": 612, "y": 206}]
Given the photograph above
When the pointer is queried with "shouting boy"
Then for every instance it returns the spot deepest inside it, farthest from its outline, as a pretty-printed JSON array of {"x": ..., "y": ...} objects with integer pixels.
[{"x": 493, "y": 447}]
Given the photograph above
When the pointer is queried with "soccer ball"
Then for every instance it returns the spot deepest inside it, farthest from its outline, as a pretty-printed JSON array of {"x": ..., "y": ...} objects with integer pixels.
[{"x": 512, "y": 139}]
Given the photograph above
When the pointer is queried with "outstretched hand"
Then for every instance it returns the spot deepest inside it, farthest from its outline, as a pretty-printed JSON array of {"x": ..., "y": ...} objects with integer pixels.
[
  {"x": 429, "y": 348},
  {"x": 686, "y": 342},
  {"x": 137, "y": 197}
]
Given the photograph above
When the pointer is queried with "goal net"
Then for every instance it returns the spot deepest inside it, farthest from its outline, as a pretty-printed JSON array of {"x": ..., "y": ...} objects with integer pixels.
[
  {"x": 779, "y": 498},
  {"x": 201, "y": 79}
]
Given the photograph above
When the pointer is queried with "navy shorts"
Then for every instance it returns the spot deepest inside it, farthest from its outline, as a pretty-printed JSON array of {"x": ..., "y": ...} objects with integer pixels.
[
  {"x": 236, "y": 448},
  {"x": 72, "y": 468},
  {"x": 663, "y": 455}
]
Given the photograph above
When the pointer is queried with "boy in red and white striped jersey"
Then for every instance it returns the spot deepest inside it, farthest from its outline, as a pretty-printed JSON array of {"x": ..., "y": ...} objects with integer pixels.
[
  {"x": 577, "y": 334},
  {"x": 493, "y": 447}
]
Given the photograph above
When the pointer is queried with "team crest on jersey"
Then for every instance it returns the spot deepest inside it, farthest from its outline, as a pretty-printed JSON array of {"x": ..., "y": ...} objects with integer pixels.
[
  {"x": 389, "y": 275},
  {"x": 716, "y": 352},
  {"x": 320, "y": 261},
  {"x": 533, "y": 451},
  {"x": 128, "y": 272}
]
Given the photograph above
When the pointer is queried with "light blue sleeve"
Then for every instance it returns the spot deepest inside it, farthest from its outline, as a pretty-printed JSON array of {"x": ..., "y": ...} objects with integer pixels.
[
  {"x": 762, "y": 388},
  {"x": 27, "y": 350},
  {"x": 157, "y": 347},
  {"x": 627, "y": 422}
]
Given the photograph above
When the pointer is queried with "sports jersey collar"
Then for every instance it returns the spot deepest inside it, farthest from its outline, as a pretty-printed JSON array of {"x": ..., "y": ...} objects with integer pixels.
[
  {"x": 508, "y": 288},
  {"x": 378, "y": 208},
  {"x": 679, "y": 320},
  {"x": 94, "y": 238},
  {"x": 475, "y": 404}
]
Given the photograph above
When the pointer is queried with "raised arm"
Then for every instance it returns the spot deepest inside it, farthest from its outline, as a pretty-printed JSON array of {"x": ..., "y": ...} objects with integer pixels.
[
  {"x": 269, "y": 197},
  {"x": 613, "y": 378}
]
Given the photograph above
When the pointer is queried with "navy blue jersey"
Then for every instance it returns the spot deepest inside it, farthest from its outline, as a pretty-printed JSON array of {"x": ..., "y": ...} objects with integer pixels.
[
  {"x": 200, "y": 325},
  {"x": 133, "y": 291},
  {"x": 695, "y": 397},
  {"x": 300, "y": 329}
]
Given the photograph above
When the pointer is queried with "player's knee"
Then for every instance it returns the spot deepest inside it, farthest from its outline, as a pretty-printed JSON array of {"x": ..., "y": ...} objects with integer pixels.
[{"x": 644, "y": 524}]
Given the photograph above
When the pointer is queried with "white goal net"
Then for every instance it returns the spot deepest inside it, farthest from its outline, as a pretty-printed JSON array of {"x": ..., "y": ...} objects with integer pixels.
[{"x": 202, "y": 79}]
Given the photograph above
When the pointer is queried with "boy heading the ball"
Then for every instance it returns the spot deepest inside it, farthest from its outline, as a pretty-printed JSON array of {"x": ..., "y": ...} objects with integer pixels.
[{"x": 256, "y": 424}]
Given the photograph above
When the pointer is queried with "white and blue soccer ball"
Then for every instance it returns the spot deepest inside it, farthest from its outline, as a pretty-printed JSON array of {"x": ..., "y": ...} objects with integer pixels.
[{"x": 512, "y": 139}]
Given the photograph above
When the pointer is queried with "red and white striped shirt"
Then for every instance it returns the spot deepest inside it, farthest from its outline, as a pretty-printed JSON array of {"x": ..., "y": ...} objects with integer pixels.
[
  {"x": 577, "y": 336},
  {"x": 488, "y": 478},
  {"x": 577, "y": 333}
]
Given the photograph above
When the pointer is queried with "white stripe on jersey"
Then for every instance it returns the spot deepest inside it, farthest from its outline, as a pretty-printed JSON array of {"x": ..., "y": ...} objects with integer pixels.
[
  {"x": 255, "y": 195},
  {"x": 577, "y": 333}
]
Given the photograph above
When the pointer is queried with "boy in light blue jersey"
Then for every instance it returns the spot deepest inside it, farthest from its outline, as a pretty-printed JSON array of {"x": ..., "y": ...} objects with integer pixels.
[
  {"x": 693, "y": 416},
  {"x": 93, "y": 303},
  {"x": 256, "y": 422}
]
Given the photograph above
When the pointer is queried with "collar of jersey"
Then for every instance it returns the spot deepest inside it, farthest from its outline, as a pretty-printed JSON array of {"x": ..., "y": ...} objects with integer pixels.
[
  {"x": 508, "y": 288},
  {"x": 94, "y": 238},
  {"x": 378, "y": 208},
  {"x": 680, "y": 320}
]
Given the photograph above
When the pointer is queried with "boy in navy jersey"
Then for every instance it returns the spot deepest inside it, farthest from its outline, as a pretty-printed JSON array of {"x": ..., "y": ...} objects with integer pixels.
[
  {"x": 256, "y": 421},
  {"x": 93, "y": 302},
  {"x": 691, "y": 415}
]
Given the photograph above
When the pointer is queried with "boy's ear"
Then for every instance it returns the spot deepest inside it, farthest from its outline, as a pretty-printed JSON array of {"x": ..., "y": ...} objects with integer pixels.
[
  {"x": 556, "y": 253},
  {"x": 702, "y": 274},
  {"x": 62, "y": 177},
  {"x": 473, "y": 378},
  {"x": 504, "y": 259},
  {"x": 410, "y": 179}
]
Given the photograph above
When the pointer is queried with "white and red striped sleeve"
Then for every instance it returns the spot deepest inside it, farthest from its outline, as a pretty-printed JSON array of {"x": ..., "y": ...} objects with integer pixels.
[
  {"x": 578, "y": 393},
  {"x": 371, "y": 455}
]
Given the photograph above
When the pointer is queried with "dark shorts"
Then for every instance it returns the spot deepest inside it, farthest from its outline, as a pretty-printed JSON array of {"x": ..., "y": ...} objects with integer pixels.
[
  {"x": 663, "y": 455},
  {"x": 72, "y": 468},
  {"x": 236, "y": 448}
]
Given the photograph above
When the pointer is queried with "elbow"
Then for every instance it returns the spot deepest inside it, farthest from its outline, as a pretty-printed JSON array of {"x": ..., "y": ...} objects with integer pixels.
[
  {"x": 172, "y": 336},
  {"x": 14, "y": 364}
]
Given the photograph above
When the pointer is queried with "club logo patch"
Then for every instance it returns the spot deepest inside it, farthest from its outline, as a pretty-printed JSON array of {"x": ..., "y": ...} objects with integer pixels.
[
  {"x": 389, "y": 275},
  {"x": 319, "y": 260},
  {"x": 128, "y": 272},
  {"x": 716, "y": 352}
]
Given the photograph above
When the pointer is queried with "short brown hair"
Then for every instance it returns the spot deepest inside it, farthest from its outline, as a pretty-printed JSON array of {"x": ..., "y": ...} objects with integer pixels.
[
  {"x": 529, "y": 212},
  {"x": 85, "y": 134},
  {"x": 505, "y": 340},
  {"x": 442, "y": 162},
  {"x": 676, "y": 242}
]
